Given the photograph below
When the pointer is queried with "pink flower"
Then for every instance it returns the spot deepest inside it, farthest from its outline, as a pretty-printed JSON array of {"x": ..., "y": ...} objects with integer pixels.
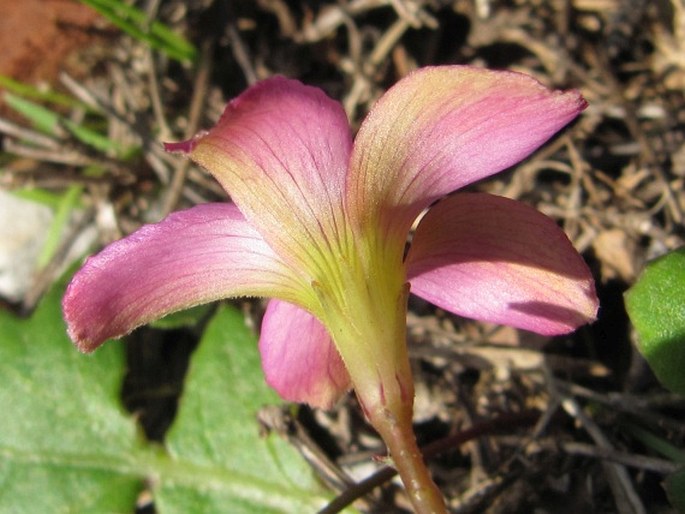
[{"x": 320, "y": 223}]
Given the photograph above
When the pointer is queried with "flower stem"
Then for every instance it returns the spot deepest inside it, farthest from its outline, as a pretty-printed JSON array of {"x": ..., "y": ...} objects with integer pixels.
[
  {"x": 450, "y": 443},
  {"x": 399, "y": 437},
  {"x": 367, "y": 321}
]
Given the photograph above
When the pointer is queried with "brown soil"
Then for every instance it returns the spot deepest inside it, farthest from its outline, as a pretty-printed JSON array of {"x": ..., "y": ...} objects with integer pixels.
[{"x": 37, "y": 36}]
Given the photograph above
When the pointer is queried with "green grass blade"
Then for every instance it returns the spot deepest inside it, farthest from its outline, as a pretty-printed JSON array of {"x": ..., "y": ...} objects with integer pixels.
[
  {"x": 68, "y": 202},
  {"x": 40, "y": 196},
  {"x": 134, "y": 22},
  {"x": 92, "y": 138},
  {"x": 28, "y": 91},
  {"x": 49, "y": 122},
  {"x": 41, "y": 118},
  {"x": 656, "y": 443}
]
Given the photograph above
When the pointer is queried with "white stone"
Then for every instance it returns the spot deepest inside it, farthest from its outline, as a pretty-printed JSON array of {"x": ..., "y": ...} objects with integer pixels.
[{"x": 24, "y": 227}]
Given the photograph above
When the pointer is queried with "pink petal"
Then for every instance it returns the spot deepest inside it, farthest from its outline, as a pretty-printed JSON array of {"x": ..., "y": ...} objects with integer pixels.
[
  {"x": 281, "y": 151},
  {"x": 299, "y": 358},
  {"x": 498, "y": 260},
  {"x": 442, "y": 128},
  {"x": 192, "y": 257}
]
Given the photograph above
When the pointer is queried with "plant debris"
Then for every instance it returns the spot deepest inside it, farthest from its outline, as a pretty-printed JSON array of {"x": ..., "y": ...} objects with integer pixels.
[{"x": 513, "y": 422}]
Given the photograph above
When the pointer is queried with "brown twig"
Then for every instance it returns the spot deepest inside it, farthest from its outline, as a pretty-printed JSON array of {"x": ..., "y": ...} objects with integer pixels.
[
  {"x": 200, "y": 86},
  {"x": 627, "y": 499},
  {"x": 450, "y": 443}
]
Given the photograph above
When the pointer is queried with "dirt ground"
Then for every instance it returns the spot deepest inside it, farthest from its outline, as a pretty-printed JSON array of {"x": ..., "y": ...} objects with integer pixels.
[{"x": 543, "y": 424}]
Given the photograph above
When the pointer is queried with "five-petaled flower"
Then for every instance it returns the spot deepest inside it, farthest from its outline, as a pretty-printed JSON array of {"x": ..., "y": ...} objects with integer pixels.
[{"x": 320, "y": 223}]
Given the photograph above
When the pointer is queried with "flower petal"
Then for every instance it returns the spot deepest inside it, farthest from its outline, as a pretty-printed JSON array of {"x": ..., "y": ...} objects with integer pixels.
[
  {"x": 498, "y": 260},
  {"x": 299, "y": 358},
  {"x": 191, "y": 257},
  {"x": 441, "y": 128},
  {"x": 281, "y": 151}
]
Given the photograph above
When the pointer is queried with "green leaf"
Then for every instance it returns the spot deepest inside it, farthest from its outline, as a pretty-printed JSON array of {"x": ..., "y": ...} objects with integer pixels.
[
  {"x": 135, "y": 23},
  {"x": 41, "y": 118},
  {"x": 185, "y": 318},
  {"x": 52, "y": 123},
  {"x": 68, "y": 202},
  {"x": 64, "y": 439},
  {"x": 29, "y": 91},
  {"x": 66, "y": 445},
  {"x": 216, "y": 429},
  {"x": 675, "y": 488},
  {"x": 656, "y": 306},
  {"x": 93, "y": 138},
  {"x": 655, "y": 443},
  {"x": 40, "y": 196}
]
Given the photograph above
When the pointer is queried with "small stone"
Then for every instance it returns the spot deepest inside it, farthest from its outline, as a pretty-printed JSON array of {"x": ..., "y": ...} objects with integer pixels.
[{"x": 24, "y": 226}]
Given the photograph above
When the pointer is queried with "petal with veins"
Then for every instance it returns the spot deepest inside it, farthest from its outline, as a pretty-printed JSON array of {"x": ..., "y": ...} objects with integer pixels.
[
  {"x": 441, "y": 128},
  {"x": 498, "y": 260},
  {"x": 281, "y": 151},
  {"x": 194, "y": 256},
  {"x": 299, "y": 358}
]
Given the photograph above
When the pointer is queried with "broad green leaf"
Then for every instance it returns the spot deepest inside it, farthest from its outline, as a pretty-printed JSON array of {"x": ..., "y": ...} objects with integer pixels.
[
  {"x": 656, "y": 306},
  {"x": 65, "y": 443},
  {"x": 185, "y": 318},
  {"x": 216, "y": 430}
]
